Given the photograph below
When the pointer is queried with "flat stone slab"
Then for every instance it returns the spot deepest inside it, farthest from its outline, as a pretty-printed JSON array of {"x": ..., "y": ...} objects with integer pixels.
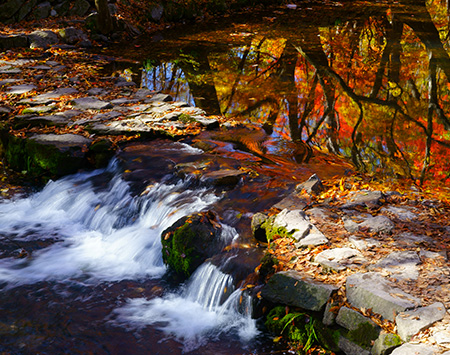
[
  {"x": 401, "y": 264},
  {"x": 385, "y": 343},
  {"x": 378, "y": 224},
  {"x": 403, "y": 214},
  {"x": 338, "y": 259},
  {"x": 291, "y": 202},
  {"x": 90, "y": 103},
  {"x": 225, "y": 177},
  {"x": 312, "y": 186},
  {"x": 351, "y": 319},
  {"x": 411, "y": 322},
  {"x": 297, "y": 223},
  {"x": 295, "y": 289},
  {"x": 37, "y": 109},
  {"x": 21, "y": 89},
  {"x": 62, "y": 141},
  {"x": 361, "y": 198},
  {"x": 48, "y": 97},
  {"x": 371, "y": 290},
  {"x": 415, "y": 349},
  {"x": 363, "y": 244},
  {"x": 350, "y": 348}
]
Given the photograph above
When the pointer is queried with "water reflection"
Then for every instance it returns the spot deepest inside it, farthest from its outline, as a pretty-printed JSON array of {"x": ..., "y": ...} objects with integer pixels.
[{"x": 370, "y": 82}]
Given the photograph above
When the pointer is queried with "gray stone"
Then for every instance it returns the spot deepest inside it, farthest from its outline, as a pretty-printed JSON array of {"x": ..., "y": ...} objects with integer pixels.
[
  {"x": 156, "y": 12},
  {"x": 48, "y": 97},
  {"x": 63, "y": 8},
  {"x": 26, "y": 9},
  {"x": 107, "y": 115},
  {"x": 303, "y": 231},
  {"x": 371, "y": 290},
  {"x": 351, "y": 319},
  {"x": 363, "y": 244},
  {"x": 401, "y": 264},
  {"x": 143, "y": 93},
  {"x": 5, "y": 82},
  {"x": 378, "y": 224},
  {"x": 408, "y": 239},
  {"x": 9, "y": 8},
  {"x": 411, "y": 322},
  {"x": 442, "y": 337},
  {"x": 292, "y": 202},
  {"x": 258, "y": 220},
  {"x": 21, "y": 89},
  {"x": 404, "y": 214},
  {"x": 350, "y": 225},
  {"x": 123, "y": 100},
  {"x": 350, "y": 348},
  {"x": 40, "y": 67},
  {"x": 295, "y": 289},
  {"x": 79, "y": 8},
  {"x": 42, "y": 11},
  {"x": 160, "y": 97},
  {"x": 364, "y": 197},
  {"x": 312, "y": 186},
  {"x": 426, "y": 254},
  {"x": 37, "y": 109},
  {"x": 208, "y": 123},
  {"x": 338, "y": 259},
  {"x": 321, "y": 214},
  {"x": 89, "y": 103},
  {"x": 13, "y": 41},
  {"x": 49, "y": 120},
  {"x": 72, "y": 35},
  {"x": 385, "y": 343},
  {"x": 123, "y": 82},
  {"x": 4, "y": 110},
  {"x": 10, "y": 71},
  {"x": 97, "y": 91},
  {"x": 62, "y": 141},
  {"x": 414, "y": 349},
  {"x": 329, "y": 317},
  {"x": 42, "y": 39}
]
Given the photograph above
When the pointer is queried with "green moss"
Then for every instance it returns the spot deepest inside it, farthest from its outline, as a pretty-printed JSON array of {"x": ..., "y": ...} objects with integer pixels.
[
  {"x": 272, "y": 231},
  {"x": 364, "y": 334},
  {"x": 180, "y": 258},
  {"x": 392, "y": 340},
  {"x": 186, "y": 118}
]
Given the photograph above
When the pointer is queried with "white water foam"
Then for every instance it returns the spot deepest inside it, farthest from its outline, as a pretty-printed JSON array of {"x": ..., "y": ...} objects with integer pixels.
[
  {"x": 103, "y": 234},
  {"x": 197, "y": 313}
]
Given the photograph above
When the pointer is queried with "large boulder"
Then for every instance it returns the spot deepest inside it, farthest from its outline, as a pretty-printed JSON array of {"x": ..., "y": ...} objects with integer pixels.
[
  {"x": 190, "y": 241},
  {"x": 295, "y": 289}
]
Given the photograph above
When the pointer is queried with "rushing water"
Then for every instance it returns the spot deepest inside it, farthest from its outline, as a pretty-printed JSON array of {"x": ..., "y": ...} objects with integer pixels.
[{"x": 81, "y": 263}]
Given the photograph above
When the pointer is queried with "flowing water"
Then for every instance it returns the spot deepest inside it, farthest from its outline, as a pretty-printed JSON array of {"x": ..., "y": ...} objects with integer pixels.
[{"x": 80, "y": 265}]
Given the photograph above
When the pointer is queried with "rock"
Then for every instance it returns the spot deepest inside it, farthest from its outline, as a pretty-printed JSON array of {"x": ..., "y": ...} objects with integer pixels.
[
  {"x": 329, "y": 316},
  {"x": 363, "y": 244},
  {"x": 321, "y": 214},
  {"x": 97, "y": 92},
  {"x": 297, "y": 225},
  {"x": 295, "y": 289},
  {"x": 258, "y": 220},
  {"x": 26, "y": 9},
  {"x": 37, "y": 109},
  {"x": 13, "y": 41},
  {"x": 351, "y": 348},
  {"x": 72, "y": 35},
  {"x": 414, "y": 349},
  {"x": 426, "y": 254},
  {"x": 350, "y": 225},
  {"x": 62, "y": 8},
  {"x": 385, "y": 343},
  {"x": 42, "y": 39},
  {"x": 42, "y": 11},
  {"x": 5, "y": 82},
  {"x": 47, "y": 153},
  {"x": 143, "y": 93},
  {"x": 208, "y": 123},
  {"x": 292, "y": 202},
  {"x": 378, "y": 224},
  {"x": 49, "y": 97},
  {"x": 21, "y": 89},
  {"x": 89, "y": 103},
  {"x": 401, "y": 264},
  {"x": 338, "y": 259},
  {"x": 156, "y": 12},
  {"x": 123, "y": 100},
  {"x": 403, "y": 214},
  {"x": 79, "y": 8},
  {"x": 9, "y": 8},
  {"x": 190, "y": 241},
  {"x": 10, "y": 71},
  {"x": 362, "y": 330},
  {"x": 160, "y": 97},
  {"x": 363, "y": 198},
  {"x": 411, "y": 322},
  {"x": 224, "y": 177},
  {"x": 312, "y": 186},
  {"x": 371, "y": 290},
  {"x": 442, "y": 337}
]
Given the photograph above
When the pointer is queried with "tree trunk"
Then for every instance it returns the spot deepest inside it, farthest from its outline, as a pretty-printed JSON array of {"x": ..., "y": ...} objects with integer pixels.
[{"x": 104, "y": 22}]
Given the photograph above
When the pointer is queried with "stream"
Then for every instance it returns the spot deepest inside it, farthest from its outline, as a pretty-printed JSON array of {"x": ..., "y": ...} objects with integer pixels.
[{"x": 81, "y": 270}]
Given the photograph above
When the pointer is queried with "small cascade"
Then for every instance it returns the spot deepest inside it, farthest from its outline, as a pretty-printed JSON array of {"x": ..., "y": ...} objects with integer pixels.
[{"x": 207, "y": 307}]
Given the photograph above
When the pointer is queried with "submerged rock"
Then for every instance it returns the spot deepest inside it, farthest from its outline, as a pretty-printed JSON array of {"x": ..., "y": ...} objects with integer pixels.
[{"x": 190, "y": 241}]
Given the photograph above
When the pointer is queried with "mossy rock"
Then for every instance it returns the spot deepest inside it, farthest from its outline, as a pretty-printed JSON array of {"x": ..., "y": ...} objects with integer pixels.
[
  {"x": 302, "y": 329},
  {"x": 190, "y": 241}
]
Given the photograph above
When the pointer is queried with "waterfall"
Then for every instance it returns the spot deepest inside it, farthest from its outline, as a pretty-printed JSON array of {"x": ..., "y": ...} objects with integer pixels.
[{"x": 89, "y": 229}]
